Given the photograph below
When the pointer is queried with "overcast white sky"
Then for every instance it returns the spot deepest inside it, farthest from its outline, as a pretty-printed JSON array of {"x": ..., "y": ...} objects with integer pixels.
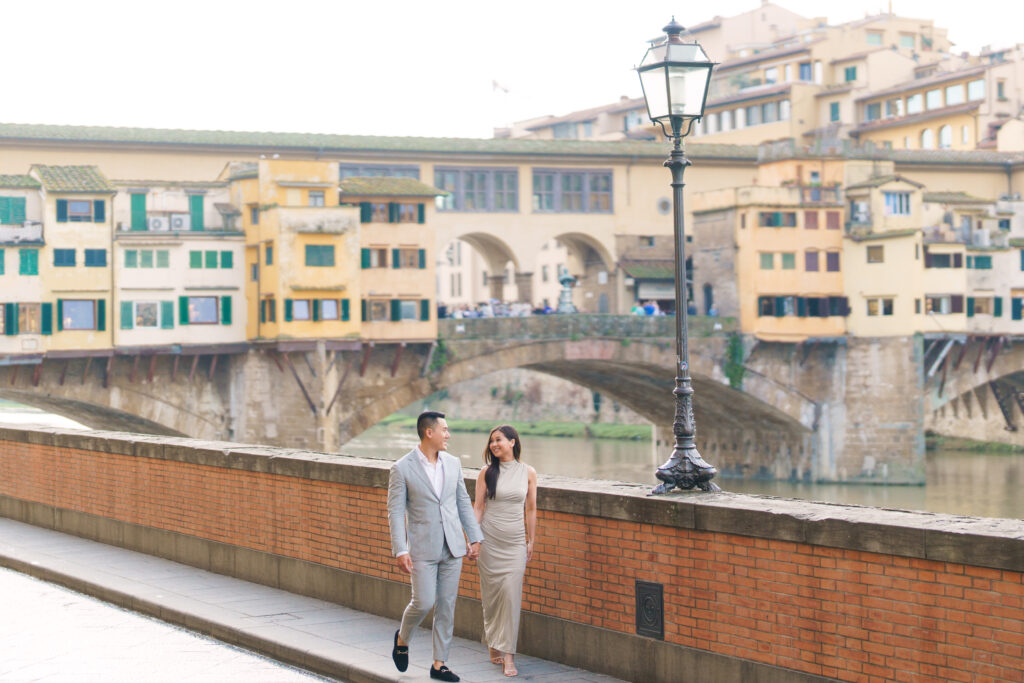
[{"x": 372, "y": 67}]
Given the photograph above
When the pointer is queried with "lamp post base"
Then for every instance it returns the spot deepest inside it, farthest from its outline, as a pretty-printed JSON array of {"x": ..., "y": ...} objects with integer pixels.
[{"x": 685, "y": 469}]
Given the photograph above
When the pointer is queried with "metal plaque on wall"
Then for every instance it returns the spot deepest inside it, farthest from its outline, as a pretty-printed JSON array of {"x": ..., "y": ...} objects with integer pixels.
[{"x": 650, "y": 610}]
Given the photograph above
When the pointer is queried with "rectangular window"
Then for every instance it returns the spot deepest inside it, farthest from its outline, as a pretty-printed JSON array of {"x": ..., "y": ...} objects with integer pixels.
[
  {"x": 409, "y": 310},
  {"x": 976, "y": 90},
  {"x": 254, "y": 215},
  {"x": 940, "y": 304},
  {"x": 897, "y": 203},
  {"x": 832, "y": 261},
  {"x": 880, "y": 306},
  {"x": 301, "y": 309},
  {"x": 211, "y": 259},
  {"x": 954, "y": 94},
  {"x": 79, "y": 210},
  {"x": 202, "y": 310},
  {"x": 138, "y": 208},
  {"x": 771, "y": 74},
  {"x": 478, "y": 189},
  {"x": 805, "y": 74},
  {"x": 28, "y": 262},
  {"x": 227, "y": 260},
  {"x": 378, "y": 171},
  {"x": 874, "y": 38},
  {"x": 933, "y": 99},
  {"x": 876, "y": 254},
  {"x": 195, "y": 209},
  {"x": 375, "y": 258},
  {"x": 320, "y": 255},
  {"x": 12, "y": 210},
  {"x": 873, "y": 111},
  {"x": 767, "y": 260},
  {"x": 753, "y": 115},
  {"x": 915, "y": 103},
  {"x": 78, "y": 315},
  {"x": 254, "y": 272},
  {"x": 406, "y": 258},
  {"x": 788, "y": 261},
  {"x": 979, "y": 262},
  {"x": 328, "y": 309},
  {"x": 95, "y": 258},
  {"x": 316, "y": 198},
  {"x": 145, "y": 258},
  {"x": 850, "y": 74},
  {"x": 63, "y": 258},
  {"x": 811, "y": 261},
  {"x": 572, "y": 191},
  {"x": 147, "y": 314},
  {"x": 769, "y": 112},
  {"x": 163, "y": 258},
  {"x": 270, "y": 254},
  {"x": 907, "y": 41},
  {"x": 833, "y": 112},
  {"x": 777, "y": 219},
  {"x": 893, "y": 108},
  {"x": 378, "y": 311},
  {"x": 408, "y": 213},
  {"x": 131, "y": 258},
  {"x": 30, "y": 318},
  {"x": 832, "y": 220}
]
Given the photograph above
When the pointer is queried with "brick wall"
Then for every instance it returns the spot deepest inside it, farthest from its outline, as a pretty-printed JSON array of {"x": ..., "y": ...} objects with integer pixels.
[{"x": 854, "y": 594}]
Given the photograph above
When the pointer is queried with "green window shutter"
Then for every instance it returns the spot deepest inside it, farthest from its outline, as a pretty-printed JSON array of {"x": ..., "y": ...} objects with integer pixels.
[
  {"x": 138, "y": 212},
  {"x": 970, "y": 306},
  {"x": 227, "y": 259},
  {"x": 60, "y": 314},
  {"x": 396, "y": 258},
  {"x": 421, "y": 213},
  {"x": 287, "y": 310},
  {"x": 211, "y": 259},
  {"x": 145, "y": 258},
  {"x": 99, "y": 211},
  {"x": 225, "y": 310},
  {"x": 195, "y": 259},
  {"x": 1017, "y": 308},
  {"x": 101, "y": 315},
  {"x": 344, "y": 310},
  {"x": 801, "y": 306},
  {"x": 328, "y": 256},
  {"x": 2, "y": 261},
  {"x": 312, "y": 255},
  {"x": 10, "y": 319},
  {"x": 183, "y": 310},
  {"x": 396, "y": 309},
  {"x": 167, "y": 315},
  {"x": 263, "y": 311},
  {"x": 424, "y": 309},
  {"x": 315, "y": 305},
  {"x": 780, "y": 306},
  {"x": 62, "y": 211},
  {"x": 17, "y": 210},
  {"x": 195, "y": 208},
  {"x": 46, "y": 313},
  {"x": 270, "y": 254},
  {"x": 163, "y": 258},
  {"x": 997, "y": 306},
  {"x": 363, "y": 306},
  {"x": 423, "y": 259},
  {"x": 5, "y": 210},
  {"x": 365, "y": 258},
  {"x": 28, "y": 262},
  {"x": 131, "y": 258},
  {"x": 127, "y": 317},
  {"x": 392, "y": 212},
  {"x": 365, "y": 212}
]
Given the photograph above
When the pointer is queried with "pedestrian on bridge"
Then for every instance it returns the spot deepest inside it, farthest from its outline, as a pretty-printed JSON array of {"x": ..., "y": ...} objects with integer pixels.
[
  {"x": 506, "y": 506},
  {"x": 430, "y": 515}
]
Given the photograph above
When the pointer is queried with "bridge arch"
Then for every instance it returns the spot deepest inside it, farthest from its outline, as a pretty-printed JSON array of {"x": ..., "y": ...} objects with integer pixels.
[
  {"x": 494, "y": 250},
  {"x": 582, "y": 250}
]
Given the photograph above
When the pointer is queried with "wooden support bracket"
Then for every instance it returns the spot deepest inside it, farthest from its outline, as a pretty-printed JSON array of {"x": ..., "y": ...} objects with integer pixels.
[
  {"x": 85, "y": 372},
  {"x": 309, "y": 365},
  {"x": 192, "y": 372},
  {"x": 429, "y": 360},
  {"x": 806, "y": 352},
  {"x": 64, "y": 372},
  {"x": 341, "y": 383},
  {"x": 963, "y": 352},
  {"x": 941, "y": 357},
  {"x": 213, "y": 365},
  {"x": 14, "y": 375},
  {"x": 942, "y": 382},
  {"x": 37, "y": 373},
  {"x": 367, "y": 348},
  {"x": 152, "y": 368},
  {"x": 981, "y": 352},
  {"x": 996, "y": 348},
  {"x": 1002, "y": 395},
  {"x": 135, "y": 367},
  {"x": 288, "y": 361},
  {"x": 109, "y": 371},
  {"x": 174, "y": 367},
  {"x": 398, "y": 358}
]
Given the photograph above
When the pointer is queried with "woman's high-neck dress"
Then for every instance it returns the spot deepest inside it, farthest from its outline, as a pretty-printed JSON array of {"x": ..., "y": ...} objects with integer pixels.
[{"x": 502, "y": 561}]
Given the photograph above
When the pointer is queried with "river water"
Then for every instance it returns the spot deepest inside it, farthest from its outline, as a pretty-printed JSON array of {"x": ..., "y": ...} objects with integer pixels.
[{"x": 961, "y": 483}]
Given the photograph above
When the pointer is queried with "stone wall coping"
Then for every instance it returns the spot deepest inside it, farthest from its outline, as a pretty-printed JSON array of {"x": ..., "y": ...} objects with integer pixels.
[{"x": 978, "y": 541}]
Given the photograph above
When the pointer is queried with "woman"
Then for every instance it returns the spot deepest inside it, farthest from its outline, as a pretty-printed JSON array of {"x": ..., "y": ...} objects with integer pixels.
[{"x": 506, "y": 507}]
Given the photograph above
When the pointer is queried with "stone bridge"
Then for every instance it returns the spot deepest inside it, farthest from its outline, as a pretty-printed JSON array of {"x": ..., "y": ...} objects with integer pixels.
[{"x": 803, "y": 411}]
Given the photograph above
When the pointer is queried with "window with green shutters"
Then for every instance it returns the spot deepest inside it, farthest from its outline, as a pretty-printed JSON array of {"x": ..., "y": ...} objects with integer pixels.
[
  {"x": 12, "y": 210},
  {"x": 46, "y": 318},
  {"x": 270, "y": 255},
  {"x": 96, "y": 258},
  {"x": 225, "y": 310},
  {"x": 211, "y": 259},
  {"x": 424, "y": 309},
  {"x": 10, "y": 319},
  {"x": 195, "y": 209},
  {"x": 63, "y": 258},
  {"x": 139, "y": 212},
  {"x": 131, "y": 258},
  {"x": 146, "y": 258},
  {"x": 227, "y": 259},
  {"x": 167, "y": 315},
  {"x": 163, "y": 258},
  {"x": 28, "y": 262},
  {"x": 320, "y": 255},
  {"x": 2, "y": 258},
  {"x": 127, "y": 315},
  {"x": 195, "y": 259}
]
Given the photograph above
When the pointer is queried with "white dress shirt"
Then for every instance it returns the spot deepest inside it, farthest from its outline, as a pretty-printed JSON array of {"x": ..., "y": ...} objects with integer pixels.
[{"x": 435, "y": 475}]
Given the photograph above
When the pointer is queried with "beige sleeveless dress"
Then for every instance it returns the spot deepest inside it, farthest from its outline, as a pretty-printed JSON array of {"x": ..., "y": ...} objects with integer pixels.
[{"x": 502, "y": 560}]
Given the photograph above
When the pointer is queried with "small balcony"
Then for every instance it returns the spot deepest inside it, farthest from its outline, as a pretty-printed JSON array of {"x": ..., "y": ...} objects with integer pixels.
[{"x": 27, "y": 233}]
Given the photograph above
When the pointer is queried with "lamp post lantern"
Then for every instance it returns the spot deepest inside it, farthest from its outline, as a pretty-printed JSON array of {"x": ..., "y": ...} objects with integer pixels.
[{"x": 674, "y": 76}]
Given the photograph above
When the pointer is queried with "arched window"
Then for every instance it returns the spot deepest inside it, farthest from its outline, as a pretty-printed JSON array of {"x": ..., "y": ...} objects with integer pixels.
[
  {"x": 927, "y": 139},
  {"x": 945, "y": 137}
]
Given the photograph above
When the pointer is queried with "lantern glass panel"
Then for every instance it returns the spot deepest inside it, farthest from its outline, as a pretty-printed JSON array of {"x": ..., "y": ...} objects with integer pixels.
[
  {"x": 686, "y": 89},
  {"x": 655, "y": 92},
  {"x": 686, "y": 52}
]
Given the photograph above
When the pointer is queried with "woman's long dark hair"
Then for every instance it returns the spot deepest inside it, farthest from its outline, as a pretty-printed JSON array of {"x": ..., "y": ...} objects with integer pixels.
[{"x": 493, "y": 464}]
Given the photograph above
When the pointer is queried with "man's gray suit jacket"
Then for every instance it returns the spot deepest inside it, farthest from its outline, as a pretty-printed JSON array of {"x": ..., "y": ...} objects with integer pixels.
[{"x": 421, "y": 523}]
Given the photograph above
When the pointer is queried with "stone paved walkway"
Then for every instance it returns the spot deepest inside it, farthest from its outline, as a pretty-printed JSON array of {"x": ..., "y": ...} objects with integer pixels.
[{"x": 313, "y": 634}]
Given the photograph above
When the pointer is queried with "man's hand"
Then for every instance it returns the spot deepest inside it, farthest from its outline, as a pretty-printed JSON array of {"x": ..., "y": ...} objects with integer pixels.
[
  {"x": 405, "y": 563},
  {"x": 474, "y": 550}
]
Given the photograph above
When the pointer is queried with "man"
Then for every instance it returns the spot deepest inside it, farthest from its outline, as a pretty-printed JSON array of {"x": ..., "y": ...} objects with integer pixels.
[{"x": 428, "y": 509}]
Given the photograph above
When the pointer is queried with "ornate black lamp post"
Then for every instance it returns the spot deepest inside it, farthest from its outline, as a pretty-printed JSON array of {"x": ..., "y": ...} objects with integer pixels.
[{"x": 675, "y": 76}]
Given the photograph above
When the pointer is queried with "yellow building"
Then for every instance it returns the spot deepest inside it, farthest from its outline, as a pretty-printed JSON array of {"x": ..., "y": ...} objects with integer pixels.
[
  {"x": 74, "y": 263},
  {"x": 21, "y": 288},
  {"x": 301, "y": 262},
  {"x": 397, "y": 257}
]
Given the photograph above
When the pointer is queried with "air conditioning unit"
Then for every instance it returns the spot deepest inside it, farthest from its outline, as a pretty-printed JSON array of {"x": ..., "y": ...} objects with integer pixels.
[
  {"x": 181, "y": 221},
  {"x": 158, "y": 223}
]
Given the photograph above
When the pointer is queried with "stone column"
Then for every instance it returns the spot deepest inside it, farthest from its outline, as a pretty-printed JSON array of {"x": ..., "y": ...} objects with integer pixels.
[
  {"x": 496, "y": 283},
  {"x": 524, "y": 282}
]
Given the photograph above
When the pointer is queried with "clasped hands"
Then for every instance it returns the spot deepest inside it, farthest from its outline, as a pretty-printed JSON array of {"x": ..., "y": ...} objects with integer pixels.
[{"x": 405, "y": 561}]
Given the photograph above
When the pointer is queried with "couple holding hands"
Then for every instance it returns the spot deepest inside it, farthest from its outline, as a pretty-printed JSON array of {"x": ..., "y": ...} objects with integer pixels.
[{"x": 431, "y": 517}]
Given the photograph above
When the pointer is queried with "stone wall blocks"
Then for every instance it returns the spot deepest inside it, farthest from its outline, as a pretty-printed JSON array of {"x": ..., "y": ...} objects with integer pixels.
[
  {"x": 971, "y": 549},
  {"x": 866, "y": 536}
]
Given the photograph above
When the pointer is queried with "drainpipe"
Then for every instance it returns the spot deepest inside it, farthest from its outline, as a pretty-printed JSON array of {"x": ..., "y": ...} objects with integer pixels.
[{"x": 113, "y": 262}]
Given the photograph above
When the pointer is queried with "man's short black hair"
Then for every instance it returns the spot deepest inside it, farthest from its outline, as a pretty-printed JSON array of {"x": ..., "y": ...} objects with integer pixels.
[{"x": 427, "y": 420}]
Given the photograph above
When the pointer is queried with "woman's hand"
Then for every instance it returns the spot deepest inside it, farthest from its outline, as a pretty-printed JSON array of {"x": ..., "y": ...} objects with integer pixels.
[{"x": 529, "y": 550}]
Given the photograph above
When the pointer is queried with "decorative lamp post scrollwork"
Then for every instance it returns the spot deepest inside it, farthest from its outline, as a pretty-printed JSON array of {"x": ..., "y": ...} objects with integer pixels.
[{"x": 675, "y": 76}]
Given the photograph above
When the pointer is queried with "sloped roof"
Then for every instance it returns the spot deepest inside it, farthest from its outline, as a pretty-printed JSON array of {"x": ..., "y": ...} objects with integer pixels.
[
  {"x": 925, "y": 82},
  {"x": 954, "y": 198},
  {"x": 356, "y": 186},
  {"x": 891, "y": 234},
  {"x": 650, "y": 269},
  {"x": 83, "y": 179},
  {"x": 18, "y": 181},
  {"x": 915, "y": 118},
  {"x": 878, "y": 181}
]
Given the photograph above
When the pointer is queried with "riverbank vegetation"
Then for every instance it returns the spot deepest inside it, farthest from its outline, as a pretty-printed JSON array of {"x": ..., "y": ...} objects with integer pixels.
[
  {"x": 935, "y": 442},
  {"x": 539, "y": 428}
]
